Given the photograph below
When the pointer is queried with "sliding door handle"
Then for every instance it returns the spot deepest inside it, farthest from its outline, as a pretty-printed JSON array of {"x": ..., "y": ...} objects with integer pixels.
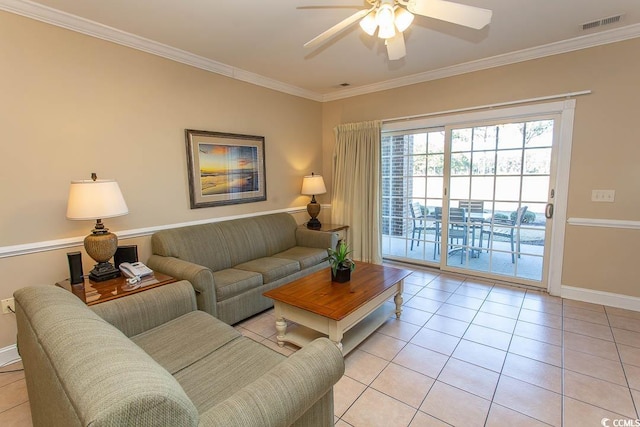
[{"x": 548, "y": 211}]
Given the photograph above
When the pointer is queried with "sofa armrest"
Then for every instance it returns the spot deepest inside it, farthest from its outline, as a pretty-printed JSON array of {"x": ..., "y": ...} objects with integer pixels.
[
  {"x": 145, "y": 310},
  {"x": 316, "y": 239},
  {"x": 285, "y": 393},
  {"x": 201, "y": 279}
]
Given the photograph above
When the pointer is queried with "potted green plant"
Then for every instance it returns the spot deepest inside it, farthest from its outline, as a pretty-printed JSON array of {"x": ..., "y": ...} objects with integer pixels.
[{"x": 341, "y": 264}]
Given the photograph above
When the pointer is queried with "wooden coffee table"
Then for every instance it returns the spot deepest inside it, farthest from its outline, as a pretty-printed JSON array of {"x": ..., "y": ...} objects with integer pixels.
[{"x": 345, "y": 312}]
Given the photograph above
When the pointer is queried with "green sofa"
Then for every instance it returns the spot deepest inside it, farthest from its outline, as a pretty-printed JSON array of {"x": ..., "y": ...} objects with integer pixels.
[
  {"x": 232, "y": 263},
  {"x": 153, "y": 359}
]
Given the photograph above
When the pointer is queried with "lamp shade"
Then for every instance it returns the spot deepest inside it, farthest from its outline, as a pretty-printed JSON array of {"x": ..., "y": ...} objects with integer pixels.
[
  {"x": 312, "y": 185},
  {"x": 98, "y": 199}
]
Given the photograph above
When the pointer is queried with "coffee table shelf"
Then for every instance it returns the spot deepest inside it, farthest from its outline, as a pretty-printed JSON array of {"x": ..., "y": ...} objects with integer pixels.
[
  {"x": 345, "y": 312},
  {"x": 301, "y": 335}
]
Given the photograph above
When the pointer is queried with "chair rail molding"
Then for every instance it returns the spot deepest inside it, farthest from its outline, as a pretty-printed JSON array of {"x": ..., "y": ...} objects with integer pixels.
[
  {"x": 608, "y": 223},
  {"x": 52, "y": 245}
]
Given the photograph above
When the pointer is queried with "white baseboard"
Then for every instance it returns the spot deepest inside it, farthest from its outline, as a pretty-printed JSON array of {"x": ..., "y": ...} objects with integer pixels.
[
  {"x": 599, "y": 297},
  {"x": 9, "y": 355}
]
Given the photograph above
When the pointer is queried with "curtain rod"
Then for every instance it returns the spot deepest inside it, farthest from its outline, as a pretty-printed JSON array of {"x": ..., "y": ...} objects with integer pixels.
[{"x": 490, "y": 106}]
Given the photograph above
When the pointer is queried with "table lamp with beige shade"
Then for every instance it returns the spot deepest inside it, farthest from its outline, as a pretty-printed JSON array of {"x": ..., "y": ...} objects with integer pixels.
[
  {"x": 313, "y": 185},
  {"x": 96, "y": 199}
]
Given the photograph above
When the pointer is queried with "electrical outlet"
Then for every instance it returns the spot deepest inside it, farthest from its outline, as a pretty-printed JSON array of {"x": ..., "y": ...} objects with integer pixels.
[
  {"x": 603, "y": 196},
  {"x": 8, "y": 306}
]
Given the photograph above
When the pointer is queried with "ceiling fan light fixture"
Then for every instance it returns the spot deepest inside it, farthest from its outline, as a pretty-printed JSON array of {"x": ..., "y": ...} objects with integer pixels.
[
  {"x": 369, "y": 24},
  {"x": 403, "y": 19},
  {"x": 384, "y": 15},
  {"x": 387, "y": 31}
]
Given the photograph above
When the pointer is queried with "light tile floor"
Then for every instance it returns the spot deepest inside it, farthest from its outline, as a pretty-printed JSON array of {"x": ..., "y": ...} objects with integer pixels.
[{"x": 468, "y": 353}]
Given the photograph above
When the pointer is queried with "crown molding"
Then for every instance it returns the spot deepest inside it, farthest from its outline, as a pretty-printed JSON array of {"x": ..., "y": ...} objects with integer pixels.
[
  {"x": 91, "y": 28},
  {"x": 565, "y": 46},
  {"x": 58, "y": 18}
]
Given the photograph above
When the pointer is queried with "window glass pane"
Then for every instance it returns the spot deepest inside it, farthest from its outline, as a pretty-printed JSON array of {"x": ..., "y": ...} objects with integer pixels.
[
  {"x": 461, "y": 140},
  {"x": 482, "y": 188},
  {"x": 434, "y": 188},
  {"x": 459, "y": 188},
  {"x": 436, "y": 142},
  {"x": 484, "y": 138},
  {"x": 419, "y": 187},
  {"x": 505, "y": 209},
  {"x": 535, "y": 216},
  {"x": 419, "y": 165},
  {"x": 435, "y": 165},
  {"x": 484, "y": 163},
  {"x": 510, "y": 135},
  {"x": 539, "y": 133},
  {"x": 508, "y": 188},
  {"x": 419, "y": 143},
  {"x": 535, "y": 188},
  {"x": 509, "y": 162},
  {"x": 537, "y": 161},
  {"x": 460, "y": 163}
]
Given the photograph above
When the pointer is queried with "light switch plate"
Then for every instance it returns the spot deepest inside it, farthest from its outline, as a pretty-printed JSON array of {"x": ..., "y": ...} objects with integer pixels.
[{"x": 607, "y": 196}]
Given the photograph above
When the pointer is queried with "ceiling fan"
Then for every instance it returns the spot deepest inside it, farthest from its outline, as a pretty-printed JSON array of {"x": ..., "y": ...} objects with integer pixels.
[{"x": 392, "y": 17}]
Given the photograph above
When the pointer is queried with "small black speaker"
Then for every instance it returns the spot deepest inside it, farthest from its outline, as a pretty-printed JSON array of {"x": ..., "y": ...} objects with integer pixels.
[
  {"x": 75, "y": 268},
  {"x": 125, "y": 254}
]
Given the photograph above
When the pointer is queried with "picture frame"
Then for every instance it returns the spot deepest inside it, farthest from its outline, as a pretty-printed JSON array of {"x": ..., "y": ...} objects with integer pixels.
[{"x": 225, "y": 168}]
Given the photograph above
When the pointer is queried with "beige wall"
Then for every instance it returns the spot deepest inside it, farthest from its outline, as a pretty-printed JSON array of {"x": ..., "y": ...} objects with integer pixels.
[
  {"x": 73, "y": 104},
  {"x": 605, "y": 154}
]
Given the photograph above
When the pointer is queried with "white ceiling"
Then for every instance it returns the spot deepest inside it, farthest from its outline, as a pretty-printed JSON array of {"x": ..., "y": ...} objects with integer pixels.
[{"x": 265, "y": 38}]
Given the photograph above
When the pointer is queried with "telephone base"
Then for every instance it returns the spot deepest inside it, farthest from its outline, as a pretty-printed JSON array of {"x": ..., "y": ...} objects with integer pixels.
[{"x": 103, "y": 271}]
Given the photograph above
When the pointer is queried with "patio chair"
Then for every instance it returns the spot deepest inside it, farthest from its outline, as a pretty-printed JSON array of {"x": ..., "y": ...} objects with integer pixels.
[
  {"x": 418, "y": 214},
  {"x": 458, "y": 229},
  {"x": 472, "y": 206},
  {"x": 505, "y": 228}
]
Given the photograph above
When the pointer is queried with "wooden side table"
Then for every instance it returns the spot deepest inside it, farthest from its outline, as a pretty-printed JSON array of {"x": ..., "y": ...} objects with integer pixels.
[
  {"x": 333, "y": 227},
  {"x": 342, "y": 230},
  {"x": 96, "y": 292}
]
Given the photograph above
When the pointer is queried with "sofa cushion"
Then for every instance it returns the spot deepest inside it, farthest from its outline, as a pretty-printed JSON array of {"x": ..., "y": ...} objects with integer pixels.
[
  {"x": 181, "y": 342},
  {"x": 271, "y": 268},
  {"x": 232, "y": 282},
  {"x": 307, "y": 257},
  {"x": 218, "y": 376},
  {"x": 202, "y": 244}
]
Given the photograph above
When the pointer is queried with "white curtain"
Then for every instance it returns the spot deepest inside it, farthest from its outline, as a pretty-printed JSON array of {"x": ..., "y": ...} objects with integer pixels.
[{"x": 356, "y": 187}]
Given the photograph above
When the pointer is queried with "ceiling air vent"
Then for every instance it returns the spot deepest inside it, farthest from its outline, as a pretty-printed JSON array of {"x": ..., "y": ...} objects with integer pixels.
[{"x": 603, "y": 21}]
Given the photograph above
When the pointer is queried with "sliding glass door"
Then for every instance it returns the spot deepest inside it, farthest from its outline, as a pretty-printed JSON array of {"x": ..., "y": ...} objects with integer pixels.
[
  {"x": 500, "y": 182},
  {"x": 471, "y": 198}
]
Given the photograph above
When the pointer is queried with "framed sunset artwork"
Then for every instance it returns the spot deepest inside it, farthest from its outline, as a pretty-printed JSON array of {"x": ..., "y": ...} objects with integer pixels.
[{"x": 225, "y": 168}]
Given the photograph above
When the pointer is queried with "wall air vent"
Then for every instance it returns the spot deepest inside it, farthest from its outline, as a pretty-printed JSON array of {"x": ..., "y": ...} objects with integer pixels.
[{"x": 603, "y": 21}]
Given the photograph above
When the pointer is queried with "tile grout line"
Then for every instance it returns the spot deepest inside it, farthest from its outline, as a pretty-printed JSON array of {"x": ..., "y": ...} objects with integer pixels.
[{"x": 624, "y": 370}]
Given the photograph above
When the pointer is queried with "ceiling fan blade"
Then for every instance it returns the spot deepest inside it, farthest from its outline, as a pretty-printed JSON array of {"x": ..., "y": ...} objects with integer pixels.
[
  {"x": 395, "y": 47},
  {"x": 336, "y": 29},
  {"x": 469, "y": 16}
]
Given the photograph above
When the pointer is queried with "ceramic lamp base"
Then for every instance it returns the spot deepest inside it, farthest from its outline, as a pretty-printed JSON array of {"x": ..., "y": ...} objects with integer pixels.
[
  {"x": 101, "y": 245},
  {"x": 103, "y": 271},
  {"x": 313, "y": 209}
]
